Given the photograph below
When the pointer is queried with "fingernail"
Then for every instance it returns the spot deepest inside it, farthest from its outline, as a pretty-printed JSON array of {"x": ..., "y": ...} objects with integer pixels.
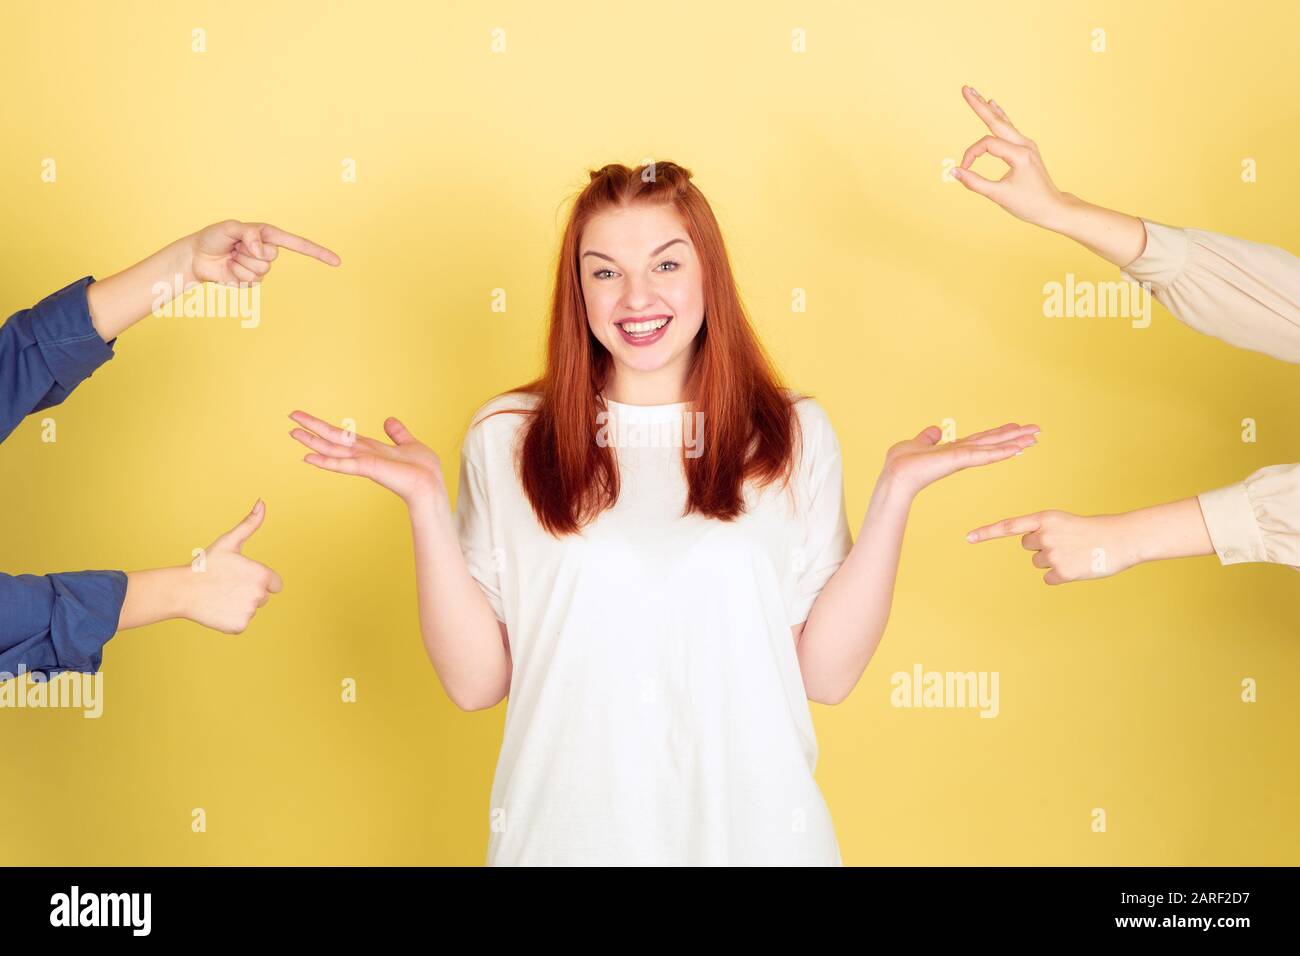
[
  {"x": 956, "y": 172},
  {"x": 257, "y": 508},
  {"x": 1020, "y": 453},
  {"x": 976, "y": 92},
  {"x": 971, "y": 536}
]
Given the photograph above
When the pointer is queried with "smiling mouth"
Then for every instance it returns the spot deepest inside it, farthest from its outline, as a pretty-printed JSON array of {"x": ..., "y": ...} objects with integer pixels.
[{"x": 643, "y": 331}]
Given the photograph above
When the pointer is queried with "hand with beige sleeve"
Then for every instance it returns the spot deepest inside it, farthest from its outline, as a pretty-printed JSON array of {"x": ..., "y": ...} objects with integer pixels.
[{"x": 1244, "y": 293}]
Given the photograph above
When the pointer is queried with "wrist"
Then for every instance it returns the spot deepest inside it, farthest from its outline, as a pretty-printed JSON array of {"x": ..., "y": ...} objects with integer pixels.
[
  {"x": 1064, "y": 214},
  {"x": 428, "y": 503},
  {"x": 181, "y": 588},
  {"x": 1136, "y": 544},
  {"x": 179, "y": 258},
  {"x": 891, "y": 491}
]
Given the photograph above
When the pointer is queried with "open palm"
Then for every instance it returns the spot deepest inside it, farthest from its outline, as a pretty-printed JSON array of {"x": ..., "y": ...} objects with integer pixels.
[
  {"x": 922, "y": 460},
  {"x": 408, "y": 468}
]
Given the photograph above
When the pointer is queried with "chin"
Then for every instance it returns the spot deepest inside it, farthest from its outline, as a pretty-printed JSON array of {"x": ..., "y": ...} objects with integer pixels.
[{"x": 640, "y": 362}]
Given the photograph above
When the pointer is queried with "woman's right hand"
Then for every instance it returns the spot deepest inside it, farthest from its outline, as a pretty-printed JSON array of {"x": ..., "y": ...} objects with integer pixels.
[
  {"x": 408, "y": 468},
  {"x": 1026, "y": 191}
]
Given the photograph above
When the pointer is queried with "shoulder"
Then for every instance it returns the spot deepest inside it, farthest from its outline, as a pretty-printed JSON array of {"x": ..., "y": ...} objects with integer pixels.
[
  {"x": 495, "y": 425},
  {"x": 816, "y": 447},
  {"x": 516, "y": 401},
  {"x": 814, "y": 423},
  {"x": 808, "y": 410}
]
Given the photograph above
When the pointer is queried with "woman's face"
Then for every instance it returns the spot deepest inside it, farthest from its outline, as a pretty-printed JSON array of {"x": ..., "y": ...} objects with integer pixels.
[{"x": 643, "y": 288}]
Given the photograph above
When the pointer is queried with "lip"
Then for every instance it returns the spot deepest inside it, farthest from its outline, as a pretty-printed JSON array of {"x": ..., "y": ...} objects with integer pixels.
[{"x": 644, "y": 340}]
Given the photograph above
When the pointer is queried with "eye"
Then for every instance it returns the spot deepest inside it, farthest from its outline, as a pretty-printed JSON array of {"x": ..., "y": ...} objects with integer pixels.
[
  {"x": 600, "y": 272},
  {"x": 669, "y": 262}
]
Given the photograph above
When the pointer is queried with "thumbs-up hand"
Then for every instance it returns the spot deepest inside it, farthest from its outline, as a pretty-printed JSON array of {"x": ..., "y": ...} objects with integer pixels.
[{"x": 225, "y": 588}]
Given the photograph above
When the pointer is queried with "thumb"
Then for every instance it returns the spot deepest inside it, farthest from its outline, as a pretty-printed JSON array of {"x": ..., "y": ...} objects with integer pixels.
[
  {"x": 252, "y": 238},
  {"x": 398, "y": 432},
  {"x": 234, "y": 539},
  {"x": 975, "y": 182},
  {"x": 930, "y": 435}
]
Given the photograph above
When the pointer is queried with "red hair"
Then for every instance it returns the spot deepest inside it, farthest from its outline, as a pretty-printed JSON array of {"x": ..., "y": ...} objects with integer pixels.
[{"x": 748, "y": 427}]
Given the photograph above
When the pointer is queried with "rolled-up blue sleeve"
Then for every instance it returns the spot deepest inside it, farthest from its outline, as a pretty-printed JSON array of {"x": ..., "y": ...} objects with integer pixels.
[
  {"x": 58, "y": 622},
  {"x": 47, "y": 351}
]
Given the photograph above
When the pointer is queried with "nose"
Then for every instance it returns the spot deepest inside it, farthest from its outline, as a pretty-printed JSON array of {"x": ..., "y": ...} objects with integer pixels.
[{"x": 639, "y": 294}]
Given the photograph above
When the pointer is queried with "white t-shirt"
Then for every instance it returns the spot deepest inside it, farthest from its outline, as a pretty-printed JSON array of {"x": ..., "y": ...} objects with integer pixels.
[{"x": 656, "y": 713}]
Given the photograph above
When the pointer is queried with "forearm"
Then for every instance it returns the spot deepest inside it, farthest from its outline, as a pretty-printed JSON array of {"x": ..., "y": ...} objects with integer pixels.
[
  {"x": 123, "y": 299},
  {"x": 153, "y": 596},
  {"x": 1173, "y": 530},
  {"x": 1115, "y": 236},
  {"x": 461, "y": 633},
  {"x": 849, "y": 616}
]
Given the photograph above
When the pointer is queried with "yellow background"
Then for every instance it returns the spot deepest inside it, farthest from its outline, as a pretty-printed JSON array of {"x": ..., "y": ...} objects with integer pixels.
[{"x": 925, "y": 303}]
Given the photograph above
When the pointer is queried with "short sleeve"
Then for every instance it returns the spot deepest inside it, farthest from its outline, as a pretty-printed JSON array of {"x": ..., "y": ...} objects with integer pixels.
[
  {"x": 1257, "y": 519},
  {"x": 824, "y": 526},
  {"x": 475, "y": 530}
]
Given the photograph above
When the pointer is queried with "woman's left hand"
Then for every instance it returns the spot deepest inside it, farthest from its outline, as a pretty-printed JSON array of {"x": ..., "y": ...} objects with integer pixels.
[{"x": 920, "y": 461}]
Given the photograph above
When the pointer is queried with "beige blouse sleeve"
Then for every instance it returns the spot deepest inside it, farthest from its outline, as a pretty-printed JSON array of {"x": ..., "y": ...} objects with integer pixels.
[
  {"x": 1245, "y": 293},
  {"x": 1248, "y": 295},
  {"x": 1257, "y": 519}
]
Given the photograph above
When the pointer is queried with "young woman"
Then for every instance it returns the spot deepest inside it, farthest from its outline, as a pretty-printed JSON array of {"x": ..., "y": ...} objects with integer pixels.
[
  {"x": 658, "y": 612},
  {"x": 1245, "y": 293},
  {"x": 60, "y": 622}
]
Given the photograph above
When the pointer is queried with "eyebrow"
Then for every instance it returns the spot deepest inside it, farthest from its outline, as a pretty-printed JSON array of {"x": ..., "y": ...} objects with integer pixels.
[{"x": 592, "y": 252}]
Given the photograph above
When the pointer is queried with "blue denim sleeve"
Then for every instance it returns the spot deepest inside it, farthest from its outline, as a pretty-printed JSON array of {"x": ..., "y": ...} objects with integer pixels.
[
  {"x": 58, "y": 622},
  {"x": 47, "y": 351}
]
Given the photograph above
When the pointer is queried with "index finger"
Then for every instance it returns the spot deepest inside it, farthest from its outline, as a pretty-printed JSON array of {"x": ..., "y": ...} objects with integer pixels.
[
  {"x": 1005, "y": 150},
  {"x": 997, "y": 124},
  {"x": 278, "y": 236},
  {"x": 337, "y": 435},
  {"x": 1023, "y": 524}
]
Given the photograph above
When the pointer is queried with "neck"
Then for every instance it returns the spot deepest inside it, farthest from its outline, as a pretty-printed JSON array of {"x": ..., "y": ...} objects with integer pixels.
[{"x": 663, "y": 386}]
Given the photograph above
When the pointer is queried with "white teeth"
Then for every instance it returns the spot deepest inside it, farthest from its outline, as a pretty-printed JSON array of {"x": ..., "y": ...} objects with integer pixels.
[{"x": 640, "y": 328}]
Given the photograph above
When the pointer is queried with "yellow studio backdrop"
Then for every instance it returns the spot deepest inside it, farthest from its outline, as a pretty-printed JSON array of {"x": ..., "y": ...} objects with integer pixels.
[{"x": 468, "y": 127}]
